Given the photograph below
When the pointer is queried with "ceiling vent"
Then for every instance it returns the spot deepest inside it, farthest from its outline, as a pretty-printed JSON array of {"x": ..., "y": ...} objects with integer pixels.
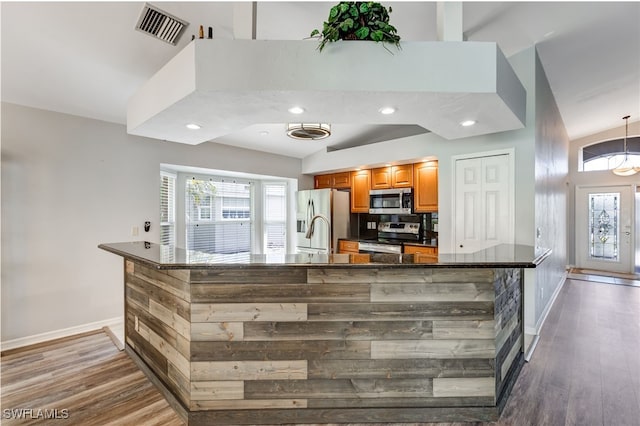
[{"x": 161, "y": 25}]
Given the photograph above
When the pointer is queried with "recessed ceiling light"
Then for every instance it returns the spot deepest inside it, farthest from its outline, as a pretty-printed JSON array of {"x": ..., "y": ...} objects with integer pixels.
[
  {"x": 193, "y": 126},
  {"x": 296, "y": 110},
  {"x": 263, "y": 133},
  {"x": 387, "y": 110},
  {"x": 467, "y": 123}
]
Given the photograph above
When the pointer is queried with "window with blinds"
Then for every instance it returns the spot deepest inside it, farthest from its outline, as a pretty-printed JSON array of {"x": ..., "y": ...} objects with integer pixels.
[
  {"x": 218, "y": 215},
  {"x": 167, "y": 208},
  {"x": 275, "y": 217}
]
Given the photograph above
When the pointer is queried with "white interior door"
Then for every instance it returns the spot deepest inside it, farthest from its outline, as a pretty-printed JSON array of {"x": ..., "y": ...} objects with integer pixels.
[
  {"x": 604, "y": 228},
  {"x": 483, "y": 203}
]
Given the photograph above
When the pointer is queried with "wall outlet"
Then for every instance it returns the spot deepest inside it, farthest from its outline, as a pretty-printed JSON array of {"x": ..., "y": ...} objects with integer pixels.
[{"x": 135, "y": 231}]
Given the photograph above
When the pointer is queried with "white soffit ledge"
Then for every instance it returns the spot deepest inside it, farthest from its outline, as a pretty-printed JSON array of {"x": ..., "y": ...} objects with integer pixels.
[{"x": 227, "y": 85}]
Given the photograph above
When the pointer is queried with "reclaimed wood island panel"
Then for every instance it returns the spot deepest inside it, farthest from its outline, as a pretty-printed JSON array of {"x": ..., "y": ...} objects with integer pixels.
[{"x": 325, "y": 339}]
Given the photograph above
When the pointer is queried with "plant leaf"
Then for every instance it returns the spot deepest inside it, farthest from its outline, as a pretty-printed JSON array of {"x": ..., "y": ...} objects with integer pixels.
[
  {"x": 364, "y": 7},
  {"x": 333, "y": 13},
  {"x": 346, "y": 25},
  {"x": 377, "y": 35},
  {"x": 353, "y": 11},
  {"x": 362, "y": 33},
  {"x": 314, "y": 33},
  {"x": 344, "y": 7}
]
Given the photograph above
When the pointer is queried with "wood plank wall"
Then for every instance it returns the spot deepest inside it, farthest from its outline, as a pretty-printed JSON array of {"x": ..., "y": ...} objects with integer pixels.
[
  {"x": 294, "y": 344},
  {"x": 509, "y": 329},
  {"x": 157, "y": 323}
]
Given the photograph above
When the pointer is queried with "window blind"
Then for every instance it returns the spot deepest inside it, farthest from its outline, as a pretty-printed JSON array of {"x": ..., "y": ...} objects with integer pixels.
[
  {"x": 275, "y": 217},
  {"x": 167, "y": 208},
  {"x": 218, "y": 215}
]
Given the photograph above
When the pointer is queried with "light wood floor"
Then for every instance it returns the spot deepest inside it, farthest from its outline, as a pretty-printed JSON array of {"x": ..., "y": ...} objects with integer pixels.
[
  {"x": 585, "y": 371},
  {"x": 87, "y": 376}
]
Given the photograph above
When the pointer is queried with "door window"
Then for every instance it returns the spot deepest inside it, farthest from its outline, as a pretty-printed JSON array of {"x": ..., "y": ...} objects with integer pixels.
[{"x": 604, "y": 218}]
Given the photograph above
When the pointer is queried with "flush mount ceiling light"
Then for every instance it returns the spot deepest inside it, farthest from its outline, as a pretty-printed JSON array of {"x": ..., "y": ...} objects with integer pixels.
[
  {"x": 467, "y": 123},
  {"x": 626, "y": 168},
  {"x": 193, "y": 126},
  {"x": 308, "y": 131},
  {"x": 387, "y": 110},
  {"x": 296, "y": 110}
]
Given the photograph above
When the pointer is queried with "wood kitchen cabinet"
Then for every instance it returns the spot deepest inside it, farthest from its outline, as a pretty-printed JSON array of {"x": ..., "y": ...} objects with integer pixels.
[
  {"x": 346, "y": 246},
  {"x": 381, "y": 178},
  {"x": 422, "y": 254},
  {"x": 392, "y": 177},
  {"x": 408, "y": 249},
  {"x": 322, "y": 181},
  {"x": 360, "y": 185},
  {"x": 425, "y": 197},
  {"x": 340, "y": 180}
]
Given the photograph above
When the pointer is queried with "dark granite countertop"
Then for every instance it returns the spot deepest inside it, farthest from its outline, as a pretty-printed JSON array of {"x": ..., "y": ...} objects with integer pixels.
[{"x": 168, "y": 257}]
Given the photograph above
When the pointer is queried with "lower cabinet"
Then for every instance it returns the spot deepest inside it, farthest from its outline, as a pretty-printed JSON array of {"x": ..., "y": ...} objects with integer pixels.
[
  {"x": 345, "y": 246},
  {"x": 422, "y": 254},
  {"x": 420, "y": 249}
]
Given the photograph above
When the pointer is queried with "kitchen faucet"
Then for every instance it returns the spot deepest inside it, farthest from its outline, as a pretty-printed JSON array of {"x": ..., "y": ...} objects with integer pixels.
[{"x": 310, "y": 229}]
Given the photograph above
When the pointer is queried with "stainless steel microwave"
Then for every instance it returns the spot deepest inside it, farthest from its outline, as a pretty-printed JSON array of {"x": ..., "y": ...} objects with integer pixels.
[{"x": 391, "y": 201}]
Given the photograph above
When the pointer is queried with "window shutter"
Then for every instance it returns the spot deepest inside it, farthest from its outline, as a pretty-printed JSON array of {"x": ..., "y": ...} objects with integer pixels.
[{"x": 167, "y": 208}]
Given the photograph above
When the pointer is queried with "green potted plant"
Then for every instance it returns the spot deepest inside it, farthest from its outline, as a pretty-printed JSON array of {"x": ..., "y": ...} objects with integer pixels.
[{"x": 350, "y": 20}]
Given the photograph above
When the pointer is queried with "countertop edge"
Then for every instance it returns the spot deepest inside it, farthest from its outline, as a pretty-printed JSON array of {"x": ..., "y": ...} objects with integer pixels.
[{"x": 439, "y": 265}]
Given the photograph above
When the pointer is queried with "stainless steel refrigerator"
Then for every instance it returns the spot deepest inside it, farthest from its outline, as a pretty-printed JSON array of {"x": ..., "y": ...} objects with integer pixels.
[{"x": 332, "y": 204}]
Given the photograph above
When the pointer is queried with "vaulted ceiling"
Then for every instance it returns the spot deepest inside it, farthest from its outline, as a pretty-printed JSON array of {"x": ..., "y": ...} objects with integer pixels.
[{"x": 86, "y": 58}]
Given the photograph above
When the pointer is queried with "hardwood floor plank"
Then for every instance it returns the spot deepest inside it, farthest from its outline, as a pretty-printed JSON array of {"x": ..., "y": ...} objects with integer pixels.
[{"x": 87, "y": 376}]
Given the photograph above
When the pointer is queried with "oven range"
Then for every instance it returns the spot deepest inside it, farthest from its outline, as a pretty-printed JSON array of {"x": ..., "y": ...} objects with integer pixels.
[{"x": 391, "y": 235}]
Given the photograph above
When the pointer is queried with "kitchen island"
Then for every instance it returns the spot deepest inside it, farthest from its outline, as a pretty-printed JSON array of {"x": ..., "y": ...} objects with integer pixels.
[{"x": 251, "y": 339}]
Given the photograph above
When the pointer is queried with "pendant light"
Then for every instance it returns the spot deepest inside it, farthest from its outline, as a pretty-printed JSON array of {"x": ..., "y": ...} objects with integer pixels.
[{"x": 626, "y": 168}]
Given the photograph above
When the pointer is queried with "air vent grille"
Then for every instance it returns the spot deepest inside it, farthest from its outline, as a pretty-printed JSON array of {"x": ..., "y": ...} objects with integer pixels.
[{"x": 160, "y": 24}]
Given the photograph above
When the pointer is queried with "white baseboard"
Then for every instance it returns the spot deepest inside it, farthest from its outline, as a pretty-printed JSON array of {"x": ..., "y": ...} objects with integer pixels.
[
  {"x": 56, "y": 334},
  {"x": 535, "y": 331}
]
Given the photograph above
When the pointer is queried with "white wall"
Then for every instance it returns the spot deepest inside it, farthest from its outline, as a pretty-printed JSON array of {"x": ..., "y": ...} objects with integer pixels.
[{"x": 71, "y": 183}]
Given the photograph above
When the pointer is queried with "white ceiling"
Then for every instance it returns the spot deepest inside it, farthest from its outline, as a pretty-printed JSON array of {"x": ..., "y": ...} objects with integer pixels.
[{"x": 86, "y": 59}]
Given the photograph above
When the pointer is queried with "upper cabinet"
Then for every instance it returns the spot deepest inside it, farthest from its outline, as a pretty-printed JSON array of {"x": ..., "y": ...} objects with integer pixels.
[
  {"x": 360, "y": 185},
  {"x": 422, "y": 177},
  {"x": 402, "y": 176},
  {"x": 425, "y": 198},
  {"x": 340, "y": 180},
  {"x": 392, "y": 177}
]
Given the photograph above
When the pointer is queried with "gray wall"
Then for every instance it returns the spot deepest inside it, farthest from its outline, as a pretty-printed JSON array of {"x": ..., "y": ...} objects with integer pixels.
[
  {"x": 70, "y": 183},
  {"x": 551, "y": 156}
]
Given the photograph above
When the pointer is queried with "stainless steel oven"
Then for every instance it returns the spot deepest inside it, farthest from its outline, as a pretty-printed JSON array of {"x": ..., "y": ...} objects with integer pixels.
[{"x": 372, "y": 247}]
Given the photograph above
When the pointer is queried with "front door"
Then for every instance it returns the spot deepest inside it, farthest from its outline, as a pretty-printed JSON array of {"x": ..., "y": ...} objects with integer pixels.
[
  {"x": 604, "y": 231},
  {"x": 483, "y": 203}
]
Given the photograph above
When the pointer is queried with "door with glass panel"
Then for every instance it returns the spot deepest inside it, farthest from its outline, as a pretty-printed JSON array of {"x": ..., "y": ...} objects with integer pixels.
[{"x": 604, "y": 228}]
